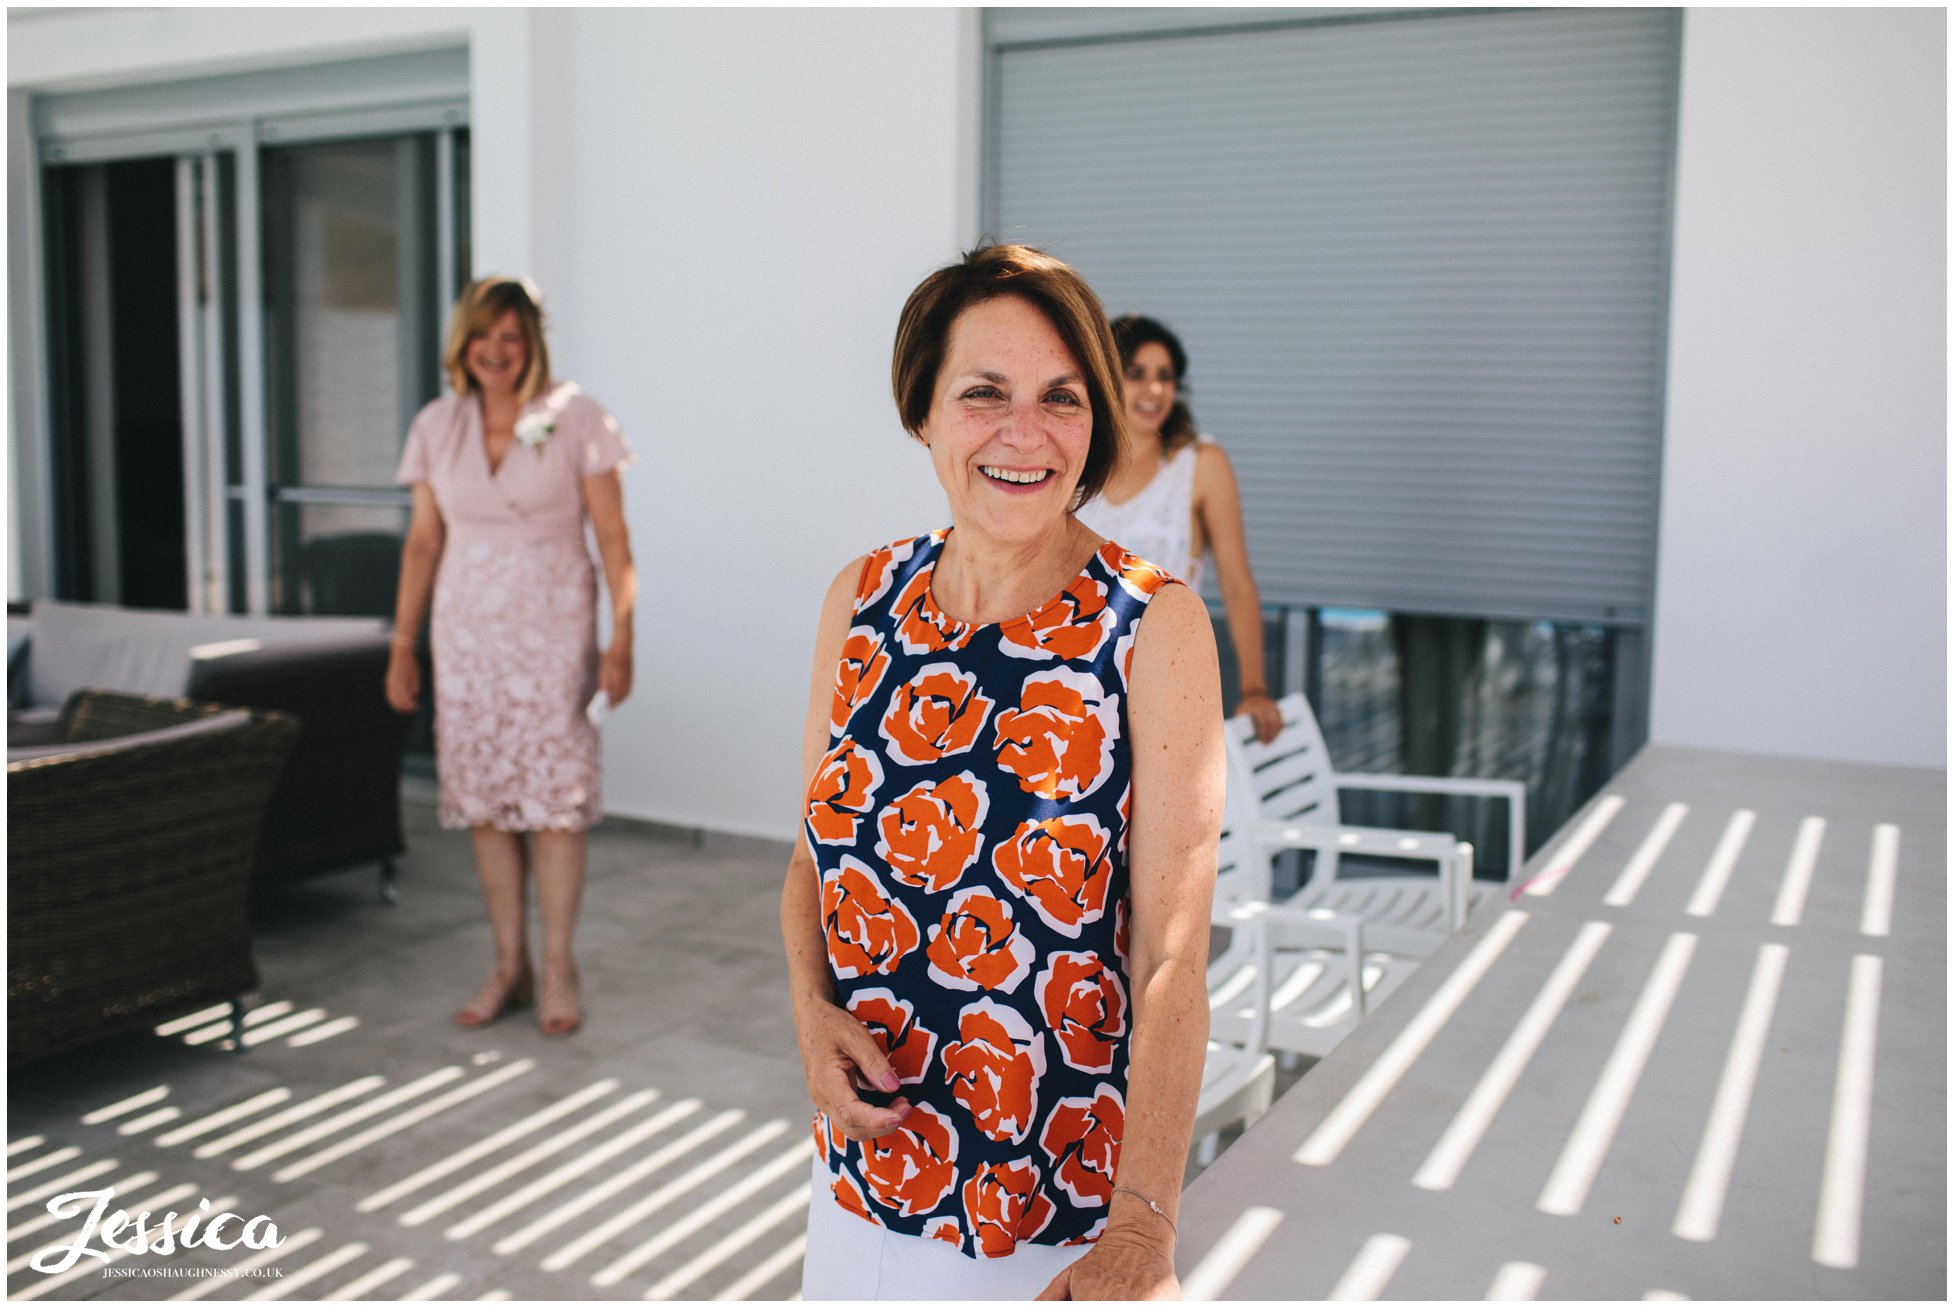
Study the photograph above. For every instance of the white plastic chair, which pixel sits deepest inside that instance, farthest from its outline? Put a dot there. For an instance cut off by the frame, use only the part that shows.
(1284, 795)
(1303, 977)
(1238, 1082)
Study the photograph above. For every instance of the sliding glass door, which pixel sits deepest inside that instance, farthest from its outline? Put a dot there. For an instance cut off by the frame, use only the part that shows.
(115, 285)
(242, 325)
(357, 281)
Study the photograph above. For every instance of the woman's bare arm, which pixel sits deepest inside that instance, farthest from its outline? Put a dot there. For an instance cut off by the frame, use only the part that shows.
(420, 556)
(1218, 504)
(603, 495)
(1174, 713)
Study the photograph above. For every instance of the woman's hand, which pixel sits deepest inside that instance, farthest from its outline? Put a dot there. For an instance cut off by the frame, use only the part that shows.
(603, 495)
(420, 557)
(841, 1059)
(1122, 1265)
(1262, 711)
(614, 673)
(403, 679)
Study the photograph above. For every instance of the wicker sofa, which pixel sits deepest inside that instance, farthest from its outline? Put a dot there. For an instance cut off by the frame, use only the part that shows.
(338, 803)
(130, 843)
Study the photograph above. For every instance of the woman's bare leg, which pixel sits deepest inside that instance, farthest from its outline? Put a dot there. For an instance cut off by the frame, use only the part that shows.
(499, 862)
(560, 860)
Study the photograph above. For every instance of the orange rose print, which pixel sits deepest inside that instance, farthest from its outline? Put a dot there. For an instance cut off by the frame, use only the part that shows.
(1003, 1206)
(1085, 1008)
(1123, 658)
(892, 1022)
(1073, 626)
(920, 626)
(932, 834)
(946, 1230)
(827, 1137)
(867, 930)
(1060, 865)
(879, 570)
(843, 789)
(863, 661)
(912, 1168)
(850, 1197)
(994, 1067)
(977, 945)
(1125, 816)
(1140, 578)
(1058, 742)
(937, 713)
(1082, 1138)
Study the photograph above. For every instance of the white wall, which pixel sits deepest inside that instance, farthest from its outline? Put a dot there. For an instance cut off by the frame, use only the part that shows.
(746, 197)
(1801, 585)
(725, 209)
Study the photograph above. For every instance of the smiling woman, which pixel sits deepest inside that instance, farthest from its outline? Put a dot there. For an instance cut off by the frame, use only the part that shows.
(1174, 498)
(506, 470)
(996, 921)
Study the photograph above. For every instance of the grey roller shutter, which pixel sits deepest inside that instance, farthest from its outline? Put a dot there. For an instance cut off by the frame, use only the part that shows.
(1421, 268)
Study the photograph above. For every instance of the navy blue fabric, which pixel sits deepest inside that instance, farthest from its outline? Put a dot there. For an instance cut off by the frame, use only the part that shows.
(969, 825)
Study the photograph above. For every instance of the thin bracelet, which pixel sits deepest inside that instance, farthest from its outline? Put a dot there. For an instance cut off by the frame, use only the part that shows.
(1158, 1210)
(1263, 691)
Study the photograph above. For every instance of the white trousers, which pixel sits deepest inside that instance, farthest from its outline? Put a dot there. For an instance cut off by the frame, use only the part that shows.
(848, 1258)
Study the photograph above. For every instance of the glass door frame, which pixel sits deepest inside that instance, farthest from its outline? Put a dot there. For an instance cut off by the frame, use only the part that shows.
(221, 288)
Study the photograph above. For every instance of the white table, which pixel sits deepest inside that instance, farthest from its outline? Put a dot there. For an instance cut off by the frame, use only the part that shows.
(1702, 1053)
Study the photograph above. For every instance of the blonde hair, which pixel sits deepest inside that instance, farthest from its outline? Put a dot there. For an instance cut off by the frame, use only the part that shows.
(477, 310)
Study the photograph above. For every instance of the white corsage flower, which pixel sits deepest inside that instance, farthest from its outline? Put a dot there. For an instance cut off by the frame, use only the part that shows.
(533, 429)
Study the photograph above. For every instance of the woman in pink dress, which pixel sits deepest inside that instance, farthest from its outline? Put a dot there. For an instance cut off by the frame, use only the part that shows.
(505, 470)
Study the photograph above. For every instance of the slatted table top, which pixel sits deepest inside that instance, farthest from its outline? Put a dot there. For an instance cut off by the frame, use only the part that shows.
(1699, 1052)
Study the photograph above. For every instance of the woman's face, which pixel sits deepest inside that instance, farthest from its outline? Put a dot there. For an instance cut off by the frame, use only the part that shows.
(1010, 423)
(497, 358)
(1151, 388)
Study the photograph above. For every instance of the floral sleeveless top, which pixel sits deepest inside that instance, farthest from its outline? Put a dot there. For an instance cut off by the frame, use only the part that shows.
(969, 824)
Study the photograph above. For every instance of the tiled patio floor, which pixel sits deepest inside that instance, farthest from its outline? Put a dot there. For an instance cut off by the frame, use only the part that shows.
(661, 1151)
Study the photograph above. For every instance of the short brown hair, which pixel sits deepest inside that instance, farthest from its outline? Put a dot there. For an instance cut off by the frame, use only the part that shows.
(1055, 290)
(476, 311)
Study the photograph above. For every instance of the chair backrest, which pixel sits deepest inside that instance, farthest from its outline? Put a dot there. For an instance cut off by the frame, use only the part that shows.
(352, 573)
(212, 724)
(1286, 780)
(1239, 879)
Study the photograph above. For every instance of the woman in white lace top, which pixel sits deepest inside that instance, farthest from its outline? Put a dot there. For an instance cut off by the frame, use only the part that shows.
(1173, 500)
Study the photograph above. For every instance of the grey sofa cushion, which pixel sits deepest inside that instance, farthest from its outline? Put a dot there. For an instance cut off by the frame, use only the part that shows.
(80, 645)
(149, 651)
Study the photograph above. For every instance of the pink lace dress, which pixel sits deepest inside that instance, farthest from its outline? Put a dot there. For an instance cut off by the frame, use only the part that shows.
(515, 611)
